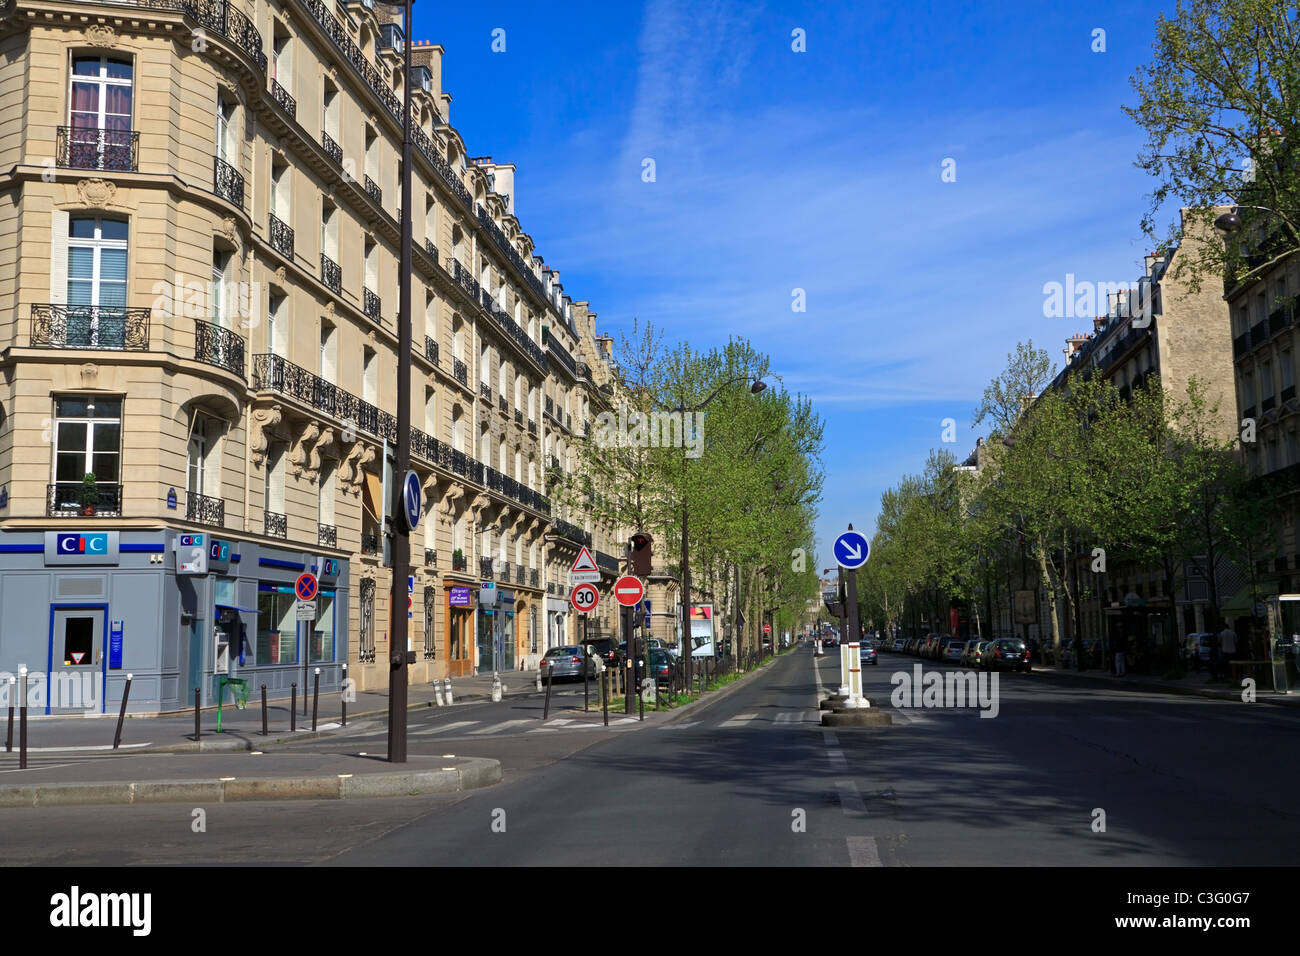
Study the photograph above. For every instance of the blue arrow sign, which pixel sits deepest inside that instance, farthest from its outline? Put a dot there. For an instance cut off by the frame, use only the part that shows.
(851, 550)
(412, 500)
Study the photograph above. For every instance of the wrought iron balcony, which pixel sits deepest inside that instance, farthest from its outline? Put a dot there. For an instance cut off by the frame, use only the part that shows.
(1288, 393)
(458, 561)
(371, 543)
(460, 372)
(571, 531)
(560, 352)
(431, 250)
(115, 150)
(1278, 320)
(331, 274)
(371, 304)
(70, 500)
(205, 509)
(503, 405)
(275, 525)
(1268, 404)
(431, 349)
(284, 100)
(348, 47)
(534, 578)
(505, 572)
(485, 392)
(90, 327)
(220, 347)
(1241, 345)
(281, 237)
(532, 427)
(227, 182)
(485, 568)
(549, 406)
(606, 562)
(431, 557)
(519, 418)
(327, 536)
(373, 190)
(334, 149)
(1259, 333)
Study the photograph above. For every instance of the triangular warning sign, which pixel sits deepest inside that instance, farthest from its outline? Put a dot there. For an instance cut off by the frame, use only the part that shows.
(77, 656)
(584, 562)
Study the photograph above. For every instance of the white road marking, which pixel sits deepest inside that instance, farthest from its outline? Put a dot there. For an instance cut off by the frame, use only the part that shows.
(740, 720)
(681, 726)
(863, 851)
(439, 730)
(850, 799)
(89, 749)
(830, 738)
(837, 760)
(497, 728)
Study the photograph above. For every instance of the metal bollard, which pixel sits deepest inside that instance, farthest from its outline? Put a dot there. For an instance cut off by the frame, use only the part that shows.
(293, 706)
(264, 730)
(197, 729)
(604, 696)
(22, 721)
(315, 698)
(121, 714)
(546, 708)
(640, 701)
(344, 702)
(9, 737)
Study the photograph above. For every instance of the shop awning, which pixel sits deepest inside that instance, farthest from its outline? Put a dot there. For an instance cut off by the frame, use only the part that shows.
(373, 496)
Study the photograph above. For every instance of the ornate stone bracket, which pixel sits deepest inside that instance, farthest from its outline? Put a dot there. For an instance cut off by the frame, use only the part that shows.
(353, 466)
(298, 454)
(265, 418)
(326, 440)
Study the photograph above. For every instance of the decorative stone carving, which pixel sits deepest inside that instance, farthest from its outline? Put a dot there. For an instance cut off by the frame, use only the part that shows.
(101, 34)
(89, 372)
(265, 418)
(353, 466)
(280, 275)
(96, 192)
(230, 231)
(453, 494)
(312, 468)
(298, 454)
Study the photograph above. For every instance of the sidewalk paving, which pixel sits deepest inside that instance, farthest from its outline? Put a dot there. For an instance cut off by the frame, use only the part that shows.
(242, 728)
(1198, 685)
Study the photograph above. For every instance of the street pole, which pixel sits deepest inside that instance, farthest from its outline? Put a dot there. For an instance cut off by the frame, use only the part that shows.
(844, 610)
(398, 676)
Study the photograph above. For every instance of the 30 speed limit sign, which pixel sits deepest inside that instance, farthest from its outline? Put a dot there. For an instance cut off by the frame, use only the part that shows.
(584, 597)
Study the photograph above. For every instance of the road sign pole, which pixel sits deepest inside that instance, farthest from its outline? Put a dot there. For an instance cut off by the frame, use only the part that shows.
(586, 667)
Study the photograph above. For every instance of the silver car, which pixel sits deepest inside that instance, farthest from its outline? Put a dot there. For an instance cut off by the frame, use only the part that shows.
(561, 662)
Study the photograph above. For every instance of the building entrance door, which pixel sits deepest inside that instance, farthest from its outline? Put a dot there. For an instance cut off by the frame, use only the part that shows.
(76, 678)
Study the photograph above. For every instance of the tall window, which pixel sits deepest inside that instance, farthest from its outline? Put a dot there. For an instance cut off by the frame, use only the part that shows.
(225, 126)
(325, 498)
(97, 255)
(220, 268)
(281, 192)
(273, 492)
(99, 112)
(87, 440)
(369, 376)
(277, 325)
(202, 436)
(328, 350)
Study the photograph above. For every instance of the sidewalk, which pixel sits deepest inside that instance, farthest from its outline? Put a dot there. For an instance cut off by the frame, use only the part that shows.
(242, 729)
(1197, 685)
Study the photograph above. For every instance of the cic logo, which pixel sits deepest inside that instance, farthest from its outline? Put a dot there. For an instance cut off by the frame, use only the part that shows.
(93, 543)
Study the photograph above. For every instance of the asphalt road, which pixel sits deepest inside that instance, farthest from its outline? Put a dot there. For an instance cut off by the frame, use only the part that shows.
(753, 779)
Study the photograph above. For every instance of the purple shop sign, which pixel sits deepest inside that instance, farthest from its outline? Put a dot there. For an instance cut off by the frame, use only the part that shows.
(458, 597)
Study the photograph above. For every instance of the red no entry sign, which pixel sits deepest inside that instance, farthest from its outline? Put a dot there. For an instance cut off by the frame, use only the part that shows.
(628, 590)
(584, 597)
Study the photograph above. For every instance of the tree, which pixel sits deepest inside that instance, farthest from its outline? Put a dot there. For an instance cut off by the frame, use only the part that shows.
(1219, 104)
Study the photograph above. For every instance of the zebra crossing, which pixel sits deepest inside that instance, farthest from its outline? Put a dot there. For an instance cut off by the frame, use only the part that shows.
(46, 757)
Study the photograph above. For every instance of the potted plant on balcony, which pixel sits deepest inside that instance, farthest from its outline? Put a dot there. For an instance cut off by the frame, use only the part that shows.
(458, 559)
(89, 495)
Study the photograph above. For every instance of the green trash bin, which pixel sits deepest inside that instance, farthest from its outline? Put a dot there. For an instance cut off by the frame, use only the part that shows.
(239, 694)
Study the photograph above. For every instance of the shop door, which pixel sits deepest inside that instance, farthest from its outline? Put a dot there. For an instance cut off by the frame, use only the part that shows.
(460, 663)
(508, 641)
(75, 682)
(487, 623)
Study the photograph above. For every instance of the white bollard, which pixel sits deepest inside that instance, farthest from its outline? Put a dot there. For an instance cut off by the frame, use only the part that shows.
(446, 689)
(855, 698)
(437, 692)
(844, 670)
(496, 688)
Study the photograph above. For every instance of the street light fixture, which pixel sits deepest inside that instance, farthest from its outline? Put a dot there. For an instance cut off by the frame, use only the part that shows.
(399, 657)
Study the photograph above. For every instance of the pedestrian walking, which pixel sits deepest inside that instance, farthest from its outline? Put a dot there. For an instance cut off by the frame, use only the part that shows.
(1119, 656)
(1227, 645)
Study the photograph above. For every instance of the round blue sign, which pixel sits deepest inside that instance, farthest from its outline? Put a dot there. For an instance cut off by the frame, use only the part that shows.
(851, 549)
(412, 500)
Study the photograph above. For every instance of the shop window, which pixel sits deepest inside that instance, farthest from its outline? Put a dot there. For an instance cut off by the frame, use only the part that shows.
(321, 644)
(277, 628)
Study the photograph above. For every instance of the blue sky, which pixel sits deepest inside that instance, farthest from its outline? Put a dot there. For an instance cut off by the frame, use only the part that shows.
(820, 170)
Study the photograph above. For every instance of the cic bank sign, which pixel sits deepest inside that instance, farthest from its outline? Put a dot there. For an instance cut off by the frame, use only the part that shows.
(81, 547)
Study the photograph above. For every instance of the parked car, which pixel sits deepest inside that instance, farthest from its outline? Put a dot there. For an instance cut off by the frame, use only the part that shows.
(663, 665)
(606, 650)
(1197, 650)
(974, 652)
(561, 662)
(1008, 653)
(953, 648)
(867, 653)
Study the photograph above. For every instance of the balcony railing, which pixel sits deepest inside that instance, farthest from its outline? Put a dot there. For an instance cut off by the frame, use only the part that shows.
(331, 274)
(69, 500)
(348, 47)
(373, 190)
(442, 168)
(327, 536)
(1241, 345)
(431, 349)
(502, 404)
(370, 543)
(227, 182)
(115, 150)
(534, 578)
(519, 418)
(485, 568)
(371, 304)
(281, 237)
(532, 427)
(431, 557)
(1288, 393)
(1259, 333)
(220, 347)
(571, 531)
(606, 562)
(431, 250)
(508, 250)
(466, 281)
(460, 371)
(485, 392)
(284, 100)
(205, 509)
(1278, 320)
(334, 149)
(560, 352)
(504, 573)
(275, 525)
(549, 406)
(1268, 404)
(90, 327)
(458, 561)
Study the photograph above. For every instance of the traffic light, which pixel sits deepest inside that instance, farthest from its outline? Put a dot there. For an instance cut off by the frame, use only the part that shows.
(638, 547)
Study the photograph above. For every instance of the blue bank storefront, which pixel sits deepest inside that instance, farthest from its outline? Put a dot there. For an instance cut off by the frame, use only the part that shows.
(81, 608)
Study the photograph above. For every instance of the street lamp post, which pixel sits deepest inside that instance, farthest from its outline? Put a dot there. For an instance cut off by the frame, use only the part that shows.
(399, 658)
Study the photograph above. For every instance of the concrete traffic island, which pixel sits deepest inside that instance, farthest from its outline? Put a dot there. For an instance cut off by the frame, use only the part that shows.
(229, 778)
(838, 712)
